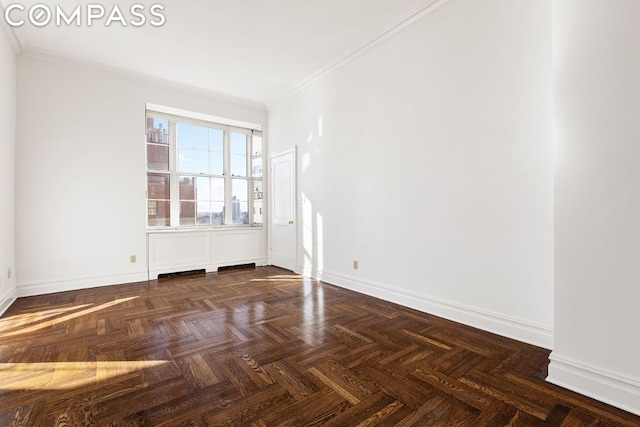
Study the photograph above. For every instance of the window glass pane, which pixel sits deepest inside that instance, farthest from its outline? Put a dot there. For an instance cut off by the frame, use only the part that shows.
(239, 201)
(216, 163)
(238, 165)
(187, 213)
(216, 140)
(157, 157)
(187, 188)
(257, 189)
(201, 138)
(185, 160)
(185, 136)
(203, 189)
(238, 154)
(217, 213)
(217, 189)
(158, 213)
(257, 202)
(240, 191)
(204, 213)
(157, 131)
(201, 161)
(208, 156)
(157, 186)
(256, 157)
(217, 196)
(238, 143)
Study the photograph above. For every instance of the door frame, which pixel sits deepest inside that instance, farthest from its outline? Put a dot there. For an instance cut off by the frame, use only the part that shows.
(294, 182)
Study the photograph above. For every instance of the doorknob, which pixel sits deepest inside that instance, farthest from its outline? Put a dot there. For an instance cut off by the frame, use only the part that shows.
(290, 222)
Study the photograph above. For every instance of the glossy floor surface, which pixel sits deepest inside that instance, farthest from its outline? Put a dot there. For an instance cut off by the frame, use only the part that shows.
(266, 347)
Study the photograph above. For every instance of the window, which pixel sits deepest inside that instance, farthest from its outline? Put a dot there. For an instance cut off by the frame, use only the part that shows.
(202, 174)
(158, 174)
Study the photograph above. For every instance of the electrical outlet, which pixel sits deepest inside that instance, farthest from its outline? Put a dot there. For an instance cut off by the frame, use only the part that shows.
(132, 259)
(355, 264)
(9, 274)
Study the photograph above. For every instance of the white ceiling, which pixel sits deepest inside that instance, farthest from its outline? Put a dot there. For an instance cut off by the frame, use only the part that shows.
(252, 49)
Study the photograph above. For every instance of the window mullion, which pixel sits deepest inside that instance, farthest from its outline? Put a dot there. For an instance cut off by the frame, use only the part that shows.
(250, 178)
(173, 167)
(228, 213)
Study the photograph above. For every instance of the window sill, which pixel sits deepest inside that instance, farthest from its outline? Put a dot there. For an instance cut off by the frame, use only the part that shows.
(196, 229)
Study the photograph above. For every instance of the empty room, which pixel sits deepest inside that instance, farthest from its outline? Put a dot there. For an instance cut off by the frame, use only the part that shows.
(297, 213)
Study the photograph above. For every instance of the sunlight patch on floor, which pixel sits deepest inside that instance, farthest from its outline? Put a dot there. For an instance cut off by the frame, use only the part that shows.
(25, 327)
(34, 316)
(66, 375)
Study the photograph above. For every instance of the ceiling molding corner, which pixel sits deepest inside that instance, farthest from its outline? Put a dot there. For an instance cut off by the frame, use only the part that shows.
(422, 9)
(51, 56)
(14, 40)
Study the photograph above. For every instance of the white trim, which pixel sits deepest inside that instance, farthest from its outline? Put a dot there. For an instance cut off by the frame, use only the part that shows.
(8, 300)
(141, 77)
(422, 9)
(605, 386)
(76, 283)
(201, 118)
(195, 228)
(14, 40)
(500, 324)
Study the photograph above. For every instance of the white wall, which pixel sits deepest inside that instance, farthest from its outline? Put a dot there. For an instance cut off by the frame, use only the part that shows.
(433, 153)
(80, 174)
(7, 168)
(597, 199)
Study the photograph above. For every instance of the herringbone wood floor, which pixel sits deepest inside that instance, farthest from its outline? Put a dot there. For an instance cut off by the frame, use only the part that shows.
(265, 347)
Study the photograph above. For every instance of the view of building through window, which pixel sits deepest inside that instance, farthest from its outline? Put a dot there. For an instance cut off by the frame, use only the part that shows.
(202, 174)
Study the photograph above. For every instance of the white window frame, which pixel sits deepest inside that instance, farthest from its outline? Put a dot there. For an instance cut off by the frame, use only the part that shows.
(174, 173)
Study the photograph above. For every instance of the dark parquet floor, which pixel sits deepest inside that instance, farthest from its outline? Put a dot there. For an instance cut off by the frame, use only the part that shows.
(265, 347)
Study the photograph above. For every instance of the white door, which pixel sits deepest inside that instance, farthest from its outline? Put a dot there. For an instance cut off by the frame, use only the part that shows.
(283, 210)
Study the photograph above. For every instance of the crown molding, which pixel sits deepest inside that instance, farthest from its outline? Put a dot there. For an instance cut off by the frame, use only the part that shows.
(422, 9)
(14, 40)
(425, 7)
(141, 77)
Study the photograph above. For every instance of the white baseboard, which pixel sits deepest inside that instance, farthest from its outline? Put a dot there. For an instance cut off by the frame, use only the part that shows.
(44, 287)
(608, 387)
(497, 323)
(75, 283)
(7, 300)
